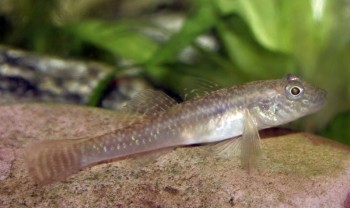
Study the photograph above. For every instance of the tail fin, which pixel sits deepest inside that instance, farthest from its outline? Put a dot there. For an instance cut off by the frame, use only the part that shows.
(51, 161)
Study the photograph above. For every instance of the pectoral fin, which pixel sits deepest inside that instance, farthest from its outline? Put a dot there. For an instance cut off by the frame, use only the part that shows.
(246, 146)
(250, 143)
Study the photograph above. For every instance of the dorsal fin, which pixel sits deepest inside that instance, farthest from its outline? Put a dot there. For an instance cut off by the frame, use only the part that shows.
(149, 103)
(197, 87)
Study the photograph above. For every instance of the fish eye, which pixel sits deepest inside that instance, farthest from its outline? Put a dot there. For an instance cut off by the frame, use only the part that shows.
(294, 90)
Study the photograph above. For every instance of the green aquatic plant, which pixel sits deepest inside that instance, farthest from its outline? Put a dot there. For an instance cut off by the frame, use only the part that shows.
(253, 40)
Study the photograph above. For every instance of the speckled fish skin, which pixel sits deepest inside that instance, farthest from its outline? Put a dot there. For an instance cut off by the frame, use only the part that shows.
(215, 117)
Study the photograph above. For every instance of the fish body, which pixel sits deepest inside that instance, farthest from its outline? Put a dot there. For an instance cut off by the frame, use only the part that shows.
(237, 112)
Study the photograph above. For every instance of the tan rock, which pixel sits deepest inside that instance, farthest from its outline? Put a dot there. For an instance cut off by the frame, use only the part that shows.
(297, 170)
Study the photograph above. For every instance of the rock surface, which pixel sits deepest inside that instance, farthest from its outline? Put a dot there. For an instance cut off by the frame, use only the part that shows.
(297, 170)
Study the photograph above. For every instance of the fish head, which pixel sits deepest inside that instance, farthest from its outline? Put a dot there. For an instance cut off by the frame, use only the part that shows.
(285, 100)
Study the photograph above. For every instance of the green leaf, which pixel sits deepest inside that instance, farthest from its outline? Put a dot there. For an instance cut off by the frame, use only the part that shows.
(203, 19)
(248, 54)
(119, 38)
(300, 26)
(263, 17)
(102, 85)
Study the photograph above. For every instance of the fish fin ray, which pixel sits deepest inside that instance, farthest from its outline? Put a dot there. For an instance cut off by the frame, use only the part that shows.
(53, 160)
(197, 87)
(250, 143)
(146, 158)
(149, 103)
(228, 148)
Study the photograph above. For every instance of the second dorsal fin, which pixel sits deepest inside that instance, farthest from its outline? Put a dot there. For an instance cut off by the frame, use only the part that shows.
(149, 103)
(197, 87)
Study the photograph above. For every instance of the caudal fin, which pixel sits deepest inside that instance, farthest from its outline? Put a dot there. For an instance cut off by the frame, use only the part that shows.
(54, 160)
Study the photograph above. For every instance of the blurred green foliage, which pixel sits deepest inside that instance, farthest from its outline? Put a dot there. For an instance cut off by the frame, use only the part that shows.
(339, 128)
(257, 39)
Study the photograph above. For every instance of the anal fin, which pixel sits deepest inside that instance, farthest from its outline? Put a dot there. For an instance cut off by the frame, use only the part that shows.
(146, 158)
